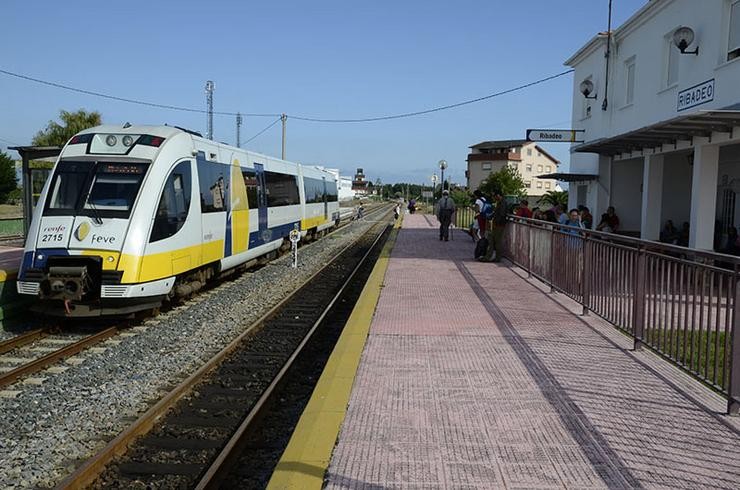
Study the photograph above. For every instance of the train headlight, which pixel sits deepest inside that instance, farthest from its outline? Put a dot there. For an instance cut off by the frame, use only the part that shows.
(111, 140)
(110, 258)
(40, 257)
(128, 140)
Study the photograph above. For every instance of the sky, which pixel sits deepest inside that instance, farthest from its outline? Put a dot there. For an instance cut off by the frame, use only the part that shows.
(329, 59)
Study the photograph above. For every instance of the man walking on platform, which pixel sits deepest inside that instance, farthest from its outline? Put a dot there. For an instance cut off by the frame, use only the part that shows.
(444, 211)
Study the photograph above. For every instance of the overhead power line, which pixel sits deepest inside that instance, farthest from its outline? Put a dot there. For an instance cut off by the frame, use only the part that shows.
(123, 99)
(268, 127)
(435, 109)
(299, 118)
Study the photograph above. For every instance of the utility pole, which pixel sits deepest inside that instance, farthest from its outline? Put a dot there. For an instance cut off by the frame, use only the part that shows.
(238, 129)
(284, 119)
(209, 103)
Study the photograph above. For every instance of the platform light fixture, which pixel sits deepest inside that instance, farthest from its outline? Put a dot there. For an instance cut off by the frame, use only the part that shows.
(587, 88)
(442, 167)
(682, 38)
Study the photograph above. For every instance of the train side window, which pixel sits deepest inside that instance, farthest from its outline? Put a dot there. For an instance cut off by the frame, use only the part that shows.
(282, 189)
(250, 181)
(332, 195)
(314, 190)
(174, 204)
(212, 187)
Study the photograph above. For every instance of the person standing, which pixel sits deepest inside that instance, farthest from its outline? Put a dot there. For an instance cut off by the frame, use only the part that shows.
(498, 223)
(480, 205)
(523, 211)
(444, 212)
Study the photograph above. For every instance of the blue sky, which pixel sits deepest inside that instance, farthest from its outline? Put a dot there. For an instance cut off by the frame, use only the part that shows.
(324, 59)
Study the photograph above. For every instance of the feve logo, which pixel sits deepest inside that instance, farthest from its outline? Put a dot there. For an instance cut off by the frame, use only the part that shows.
(82, 231)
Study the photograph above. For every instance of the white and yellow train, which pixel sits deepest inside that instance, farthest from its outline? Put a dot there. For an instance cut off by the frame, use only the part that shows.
(134, 215)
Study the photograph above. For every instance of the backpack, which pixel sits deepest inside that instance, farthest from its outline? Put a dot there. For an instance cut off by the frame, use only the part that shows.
(481, 248)
(487, 210)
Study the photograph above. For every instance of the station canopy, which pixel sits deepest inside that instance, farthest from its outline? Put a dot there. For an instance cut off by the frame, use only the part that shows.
(670, 132)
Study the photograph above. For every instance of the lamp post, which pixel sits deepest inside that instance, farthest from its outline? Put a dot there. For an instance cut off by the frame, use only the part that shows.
(442, 167)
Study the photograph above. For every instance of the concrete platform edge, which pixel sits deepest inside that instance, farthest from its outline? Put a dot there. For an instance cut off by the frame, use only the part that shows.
(306, 458)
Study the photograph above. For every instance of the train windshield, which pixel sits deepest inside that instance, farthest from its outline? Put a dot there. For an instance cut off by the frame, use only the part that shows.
(103, 189)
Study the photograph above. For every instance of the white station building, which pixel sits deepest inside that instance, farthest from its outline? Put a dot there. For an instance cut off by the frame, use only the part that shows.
(661, 120)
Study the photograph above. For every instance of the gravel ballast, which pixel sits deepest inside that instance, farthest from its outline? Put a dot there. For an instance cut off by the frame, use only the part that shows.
(46, 431)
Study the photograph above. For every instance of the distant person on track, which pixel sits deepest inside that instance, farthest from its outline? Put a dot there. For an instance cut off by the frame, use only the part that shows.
(445, 210)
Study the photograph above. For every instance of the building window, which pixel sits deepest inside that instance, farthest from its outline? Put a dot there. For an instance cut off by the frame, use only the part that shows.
(529, 152)
(529, 166)
(547, 185)
(515, 150)
(671, 69)
(539, 154)
(629, 91)
(487, 166)
(528, 184)
(539, 168)
(548, 168)
(539, 185)
(733, 49)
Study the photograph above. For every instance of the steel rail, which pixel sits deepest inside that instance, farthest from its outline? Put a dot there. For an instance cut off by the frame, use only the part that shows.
(225, 459)
(21, 340)
(86, 474)
(69, 350)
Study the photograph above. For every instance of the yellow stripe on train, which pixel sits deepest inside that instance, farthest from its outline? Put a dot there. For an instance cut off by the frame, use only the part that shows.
(167, 264)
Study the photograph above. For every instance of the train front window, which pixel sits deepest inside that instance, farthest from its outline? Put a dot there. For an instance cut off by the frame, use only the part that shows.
(68, 185)
(107, 190)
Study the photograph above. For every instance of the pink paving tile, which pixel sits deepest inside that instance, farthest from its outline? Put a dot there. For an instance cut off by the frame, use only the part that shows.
(472, 377)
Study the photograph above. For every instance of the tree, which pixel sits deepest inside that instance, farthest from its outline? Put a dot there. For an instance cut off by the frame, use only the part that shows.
(73, 122)
(461, 197)
(554, 198)
(7, 176)
(507, 181)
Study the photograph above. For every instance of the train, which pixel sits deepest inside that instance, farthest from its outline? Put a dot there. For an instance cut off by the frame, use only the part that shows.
(134, 216)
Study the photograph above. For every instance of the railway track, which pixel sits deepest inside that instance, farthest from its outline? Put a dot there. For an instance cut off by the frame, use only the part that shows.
(175, 443)
(26, 361)
(10, 374)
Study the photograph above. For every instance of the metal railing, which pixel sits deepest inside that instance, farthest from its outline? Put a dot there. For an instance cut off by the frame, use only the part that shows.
(680, 302)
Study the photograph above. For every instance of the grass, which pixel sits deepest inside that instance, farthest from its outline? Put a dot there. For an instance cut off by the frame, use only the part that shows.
(672, 344)
(11, 211)
(11, 227)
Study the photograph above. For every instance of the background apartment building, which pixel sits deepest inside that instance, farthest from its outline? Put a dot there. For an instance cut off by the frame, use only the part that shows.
(531, 161)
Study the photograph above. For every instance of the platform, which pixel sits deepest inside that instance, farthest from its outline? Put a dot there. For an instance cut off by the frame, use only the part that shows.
(10, 262)
(473, 376)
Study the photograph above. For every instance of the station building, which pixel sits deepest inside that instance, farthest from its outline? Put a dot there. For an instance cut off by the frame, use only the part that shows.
(661, 115)
(528, 158)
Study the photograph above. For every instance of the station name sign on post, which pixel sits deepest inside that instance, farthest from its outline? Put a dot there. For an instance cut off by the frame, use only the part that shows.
(556, 135)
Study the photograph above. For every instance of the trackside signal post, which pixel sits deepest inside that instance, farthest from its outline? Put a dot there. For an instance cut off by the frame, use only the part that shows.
(295, 237)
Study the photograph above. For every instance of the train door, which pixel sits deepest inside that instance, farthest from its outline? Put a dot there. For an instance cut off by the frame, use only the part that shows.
(261, 201)
(326, 200)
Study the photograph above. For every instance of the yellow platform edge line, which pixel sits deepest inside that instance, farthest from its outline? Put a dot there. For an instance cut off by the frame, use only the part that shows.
(306, 458)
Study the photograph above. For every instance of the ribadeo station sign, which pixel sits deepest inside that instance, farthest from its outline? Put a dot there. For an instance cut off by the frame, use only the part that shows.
(555, 135)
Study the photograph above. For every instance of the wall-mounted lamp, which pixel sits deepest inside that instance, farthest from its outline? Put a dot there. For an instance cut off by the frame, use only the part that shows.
(587, 88)
(682, 38)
